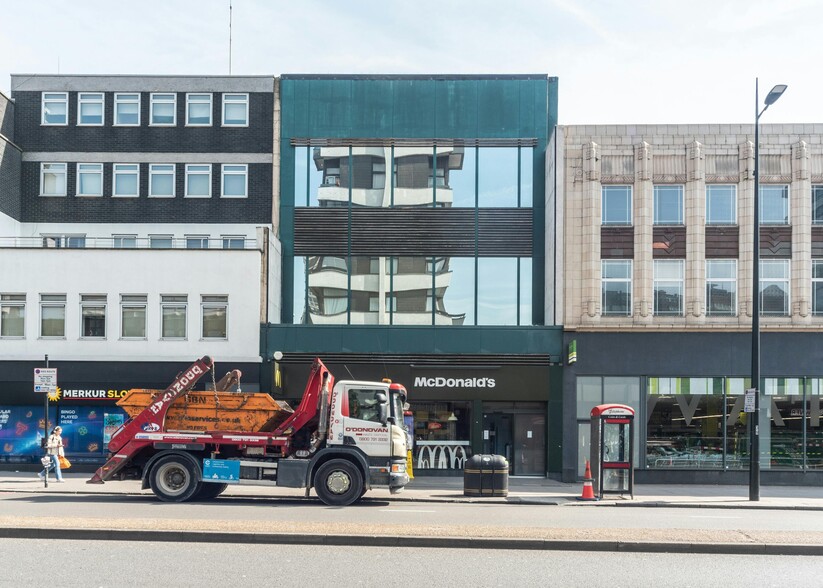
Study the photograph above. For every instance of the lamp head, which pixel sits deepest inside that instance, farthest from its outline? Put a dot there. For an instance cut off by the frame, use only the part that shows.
(774, 94)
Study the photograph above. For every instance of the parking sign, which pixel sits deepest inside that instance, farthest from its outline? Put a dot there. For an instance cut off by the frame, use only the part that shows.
(45, 380)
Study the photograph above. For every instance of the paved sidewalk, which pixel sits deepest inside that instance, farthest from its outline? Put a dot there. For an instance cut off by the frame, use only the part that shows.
(443, 490)
(450, 489)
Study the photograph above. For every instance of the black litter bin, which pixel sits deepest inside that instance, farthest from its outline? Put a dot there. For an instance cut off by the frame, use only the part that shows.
(486, 475)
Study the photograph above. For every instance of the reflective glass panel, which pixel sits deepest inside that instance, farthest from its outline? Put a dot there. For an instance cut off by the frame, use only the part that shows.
(411, 289)
(817, 205)
(774, 205)
(668, 287)
(497, 291)
(774, 287)
(301, 176)
(616, 202)
(329, 177)
(497, 183)
(721, 287)
(668, 205)
(456, 288)
(721, 204)
(525, 291)
(814, 432)
(462, 179)
(526, 176)
(783, 440)
(299, 291)
(450, 160)
(589, 395)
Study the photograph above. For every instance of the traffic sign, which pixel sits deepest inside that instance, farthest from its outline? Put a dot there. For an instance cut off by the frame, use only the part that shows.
(45, 380)
(748, 402)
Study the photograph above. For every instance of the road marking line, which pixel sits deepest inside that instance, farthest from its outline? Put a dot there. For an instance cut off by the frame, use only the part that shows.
(712, 517)
(404, 510)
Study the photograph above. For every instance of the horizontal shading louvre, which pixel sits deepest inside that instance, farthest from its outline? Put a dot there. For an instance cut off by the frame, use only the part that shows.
(444, 359)
(501, 232)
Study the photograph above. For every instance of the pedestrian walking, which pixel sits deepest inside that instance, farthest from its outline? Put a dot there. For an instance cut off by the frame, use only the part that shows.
(54, 450)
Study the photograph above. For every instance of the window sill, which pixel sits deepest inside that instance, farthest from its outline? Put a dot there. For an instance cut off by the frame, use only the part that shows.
(125, 195)
(52, 195)
(167, 196)
(196, 197)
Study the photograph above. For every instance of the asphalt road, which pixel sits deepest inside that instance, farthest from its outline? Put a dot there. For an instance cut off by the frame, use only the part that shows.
(115, 564)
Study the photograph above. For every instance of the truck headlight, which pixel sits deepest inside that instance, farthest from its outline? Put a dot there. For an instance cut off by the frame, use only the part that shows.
(398, 468)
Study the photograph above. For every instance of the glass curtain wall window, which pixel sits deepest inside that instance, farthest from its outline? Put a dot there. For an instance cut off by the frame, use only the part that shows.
(721, 204)
(53, 316)
(198, 181)
(774, 204)
(668, 287)
(89, 179)
(163, 110)
(55, 108)
(90, 108)
(93, 316)
(198, 110)
(616, 287)
(173, 316)
(215, 316)
(12, 315)
(127, 110)
(235, 181)
(133, 316)
(235, 110)
(161, 180)
(52, 179)
(668, 205)
(774, 287)
(616, 205)
(721, 287)
(126, 180)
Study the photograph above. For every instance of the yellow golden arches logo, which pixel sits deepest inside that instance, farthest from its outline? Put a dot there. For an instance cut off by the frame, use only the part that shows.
(55, 395)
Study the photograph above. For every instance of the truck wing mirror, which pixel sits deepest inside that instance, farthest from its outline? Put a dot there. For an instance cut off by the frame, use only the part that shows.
(381, 398)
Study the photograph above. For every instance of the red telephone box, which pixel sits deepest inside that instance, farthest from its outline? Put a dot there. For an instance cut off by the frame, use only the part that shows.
(612, 463)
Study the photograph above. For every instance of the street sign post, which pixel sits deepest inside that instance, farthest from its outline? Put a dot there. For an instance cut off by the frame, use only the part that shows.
(45, 380)
(749, 401)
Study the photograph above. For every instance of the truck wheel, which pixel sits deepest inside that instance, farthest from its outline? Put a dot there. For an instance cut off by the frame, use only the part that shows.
(209, 490)
(173, 479)
(338, 482)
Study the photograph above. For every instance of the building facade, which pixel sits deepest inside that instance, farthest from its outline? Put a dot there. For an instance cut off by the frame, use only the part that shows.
(413, 233)
(657, 291)
(136, 227)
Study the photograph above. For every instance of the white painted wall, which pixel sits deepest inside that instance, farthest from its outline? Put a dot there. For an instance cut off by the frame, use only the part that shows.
(235, 273)
(8, 226)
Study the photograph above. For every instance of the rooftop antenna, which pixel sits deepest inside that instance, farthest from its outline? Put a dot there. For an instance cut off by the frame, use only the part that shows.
(229, 37)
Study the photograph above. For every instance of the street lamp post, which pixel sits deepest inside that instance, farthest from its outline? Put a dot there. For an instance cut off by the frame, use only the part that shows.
(754, 428)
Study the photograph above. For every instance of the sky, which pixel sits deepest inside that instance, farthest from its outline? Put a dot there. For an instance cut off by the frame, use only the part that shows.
(617, 61)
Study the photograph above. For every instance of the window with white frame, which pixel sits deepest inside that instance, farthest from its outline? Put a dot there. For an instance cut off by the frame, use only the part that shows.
(127, 110)
(198, 181)
(774, 204)
(53, 316)
(233, 241)
(235, 110)
(616, 287)
(126, 180)
(721, 287)
(163, 110)
(89, 179)
(668, 287)
(55, 108)
(161, 180)
(817, 205)
(616, 205)
(90, 108)
(215, 315)
(774, 287)
(817, 287)
(92, 316)
(12, 316)
(133, 316)
(668, 205)
(52, 179)
(173, 316)
(160, 241)
(64, 241)
(124, 241)
(235, 181)
(721, 204)
(197, 241)
(198, 110)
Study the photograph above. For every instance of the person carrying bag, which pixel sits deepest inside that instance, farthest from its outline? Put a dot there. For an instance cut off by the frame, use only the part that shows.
(54, 451)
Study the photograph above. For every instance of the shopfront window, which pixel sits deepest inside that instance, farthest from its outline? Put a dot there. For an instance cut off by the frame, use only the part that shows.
(685, 423)
(442, 435)
(783, 400)
(814, 432)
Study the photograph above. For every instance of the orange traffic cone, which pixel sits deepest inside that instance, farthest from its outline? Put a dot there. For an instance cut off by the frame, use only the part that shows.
(588, 488)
